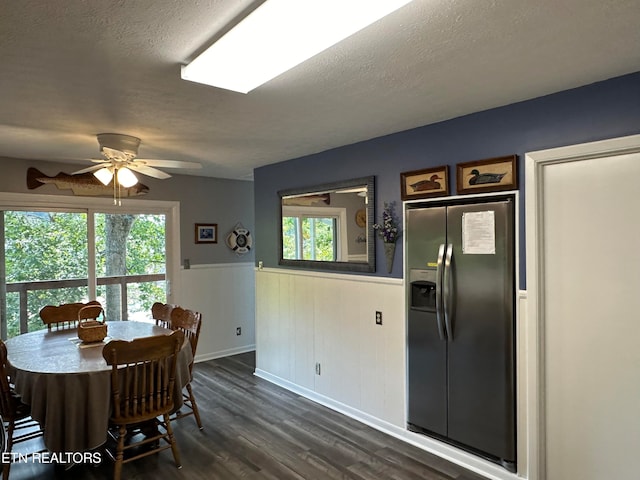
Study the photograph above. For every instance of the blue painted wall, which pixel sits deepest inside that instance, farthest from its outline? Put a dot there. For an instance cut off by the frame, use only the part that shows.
(594, 112)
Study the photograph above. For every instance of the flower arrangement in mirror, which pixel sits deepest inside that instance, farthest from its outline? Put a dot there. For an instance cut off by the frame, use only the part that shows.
(389, 231)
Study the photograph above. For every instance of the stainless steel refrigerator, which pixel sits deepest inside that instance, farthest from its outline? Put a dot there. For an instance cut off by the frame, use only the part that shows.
(461, 342)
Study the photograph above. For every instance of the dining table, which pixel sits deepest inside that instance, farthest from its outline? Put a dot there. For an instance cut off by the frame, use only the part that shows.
(67, 383)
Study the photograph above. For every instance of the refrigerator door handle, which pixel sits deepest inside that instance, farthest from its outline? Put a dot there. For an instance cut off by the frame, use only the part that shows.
(439, 309)
(447, 292)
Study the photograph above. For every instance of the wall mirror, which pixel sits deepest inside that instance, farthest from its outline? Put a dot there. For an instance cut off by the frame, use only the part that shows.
(329, 226)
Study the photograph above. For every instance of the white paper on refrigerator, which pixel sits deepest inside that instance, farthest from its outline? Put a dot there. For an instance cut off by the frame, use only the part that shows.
(479, 233)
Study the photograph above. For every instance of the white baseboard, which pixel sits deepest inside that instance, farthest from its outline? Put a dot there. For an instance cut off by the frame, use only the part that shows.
(225, 353)
(201, 266)
(452, 454)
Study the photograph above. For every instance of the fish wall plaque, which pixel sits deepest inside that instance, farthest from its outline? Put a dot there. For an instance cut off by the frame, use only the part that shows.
(85, 184)
(307, 200)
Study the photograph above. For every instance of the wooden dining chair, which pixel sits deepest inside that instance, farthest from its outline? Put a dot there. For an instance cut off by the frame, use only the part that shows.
(15, 414)
(63, 316)
(189, 322)
(142, 388)
(161, 313)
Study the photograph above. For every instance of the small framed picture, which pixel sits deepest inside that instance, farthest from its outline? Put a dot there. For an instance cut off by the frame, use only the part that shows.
(490, 175)
(429, 182)
(206, 233)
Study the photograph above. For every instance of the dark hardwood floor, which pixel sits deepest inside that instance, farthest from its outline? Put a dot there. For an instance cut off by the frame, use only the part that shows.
(256, 430)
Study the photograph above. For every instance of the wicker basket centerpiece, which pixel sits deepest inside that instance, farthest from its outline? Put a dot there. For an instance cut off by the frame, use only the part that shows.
(90, 329)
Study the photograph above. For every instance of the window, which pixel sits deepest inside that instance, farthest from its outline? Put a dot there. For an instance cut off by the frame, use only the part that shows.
(124, 258)
(130, 263)
(41, 246)
(313, 234)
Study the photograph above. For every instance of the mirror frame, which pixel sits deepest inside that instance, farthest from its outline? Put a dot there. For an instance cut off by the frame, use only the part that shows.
(370, 265)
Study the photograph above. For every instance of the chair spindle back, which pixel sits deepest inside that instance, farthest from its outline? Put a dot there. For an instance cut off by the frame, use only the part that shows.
(65, 315)
(161, 313)
(142, 376)
(189, 322)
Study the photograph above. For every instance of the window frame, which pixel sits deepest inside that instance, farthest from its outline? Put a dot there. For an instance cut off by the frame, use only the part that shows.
(341, 247)
(91, 206)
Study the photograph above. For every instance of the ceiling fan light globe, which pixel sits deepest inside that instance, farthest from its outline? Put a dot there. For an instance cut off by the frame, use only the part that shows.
(104, 175)
(126, 177)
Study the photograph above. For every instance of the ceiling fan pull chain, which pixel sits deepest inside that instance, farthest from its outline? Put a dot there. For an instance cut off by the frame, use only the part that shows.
(119, 190)
(115, 196)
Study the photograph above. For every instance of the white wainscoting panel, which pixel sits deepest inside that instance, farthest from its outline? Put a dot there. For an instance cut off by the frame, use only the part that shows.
(307, 318)
(225, 295)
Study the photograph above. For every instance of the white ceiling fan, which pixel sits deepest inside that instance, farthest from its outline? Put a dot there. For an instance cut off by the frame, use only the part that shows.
(120, 152)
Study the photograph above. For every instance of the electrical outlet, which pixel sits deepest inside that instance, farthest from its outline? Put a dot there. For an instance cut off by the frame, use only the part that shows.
(378, 318)
(317, 368)
(238, 330)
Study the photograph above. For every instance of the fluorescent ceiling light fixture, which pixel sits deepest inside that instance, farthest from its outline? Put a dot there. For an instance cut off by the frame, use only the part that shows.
(279, 35)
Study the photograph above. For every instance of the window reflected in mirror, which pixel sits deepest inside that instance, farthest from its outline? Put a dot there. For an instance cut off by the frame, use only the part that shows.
(308, 237)
(329, 226)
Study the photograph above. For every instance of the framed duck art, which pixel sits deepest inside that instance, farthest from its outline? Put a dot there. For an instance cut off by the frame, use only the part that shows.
(490, 175)
(429, 182)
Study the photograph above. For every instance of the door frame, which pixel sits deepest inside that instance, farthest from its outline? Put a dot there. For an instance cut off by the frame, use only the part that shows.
(535, 164)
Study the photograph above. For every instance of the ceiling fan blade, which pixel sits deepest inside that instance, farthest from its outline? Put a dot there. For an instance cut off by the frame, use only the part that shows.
(92, 168)
(145, 170)
(168, 163)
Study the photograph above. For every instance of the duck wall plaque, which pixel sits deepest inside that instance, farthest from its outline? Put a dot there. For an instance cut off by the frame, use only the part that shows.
(490, 175)
(429, 182)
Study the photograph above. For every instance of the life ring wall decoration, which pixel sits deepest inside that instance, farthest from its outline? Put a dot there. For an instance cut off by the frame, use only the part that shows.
(239, 240)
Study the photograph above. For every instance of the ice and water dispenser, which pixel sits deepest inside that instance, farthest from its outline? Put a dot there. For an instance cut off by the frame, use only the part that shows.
(423, 289)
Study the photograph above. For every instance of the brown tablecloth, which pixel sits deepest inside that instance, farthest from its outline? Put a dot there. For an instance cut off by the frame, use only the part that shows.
(68, 385)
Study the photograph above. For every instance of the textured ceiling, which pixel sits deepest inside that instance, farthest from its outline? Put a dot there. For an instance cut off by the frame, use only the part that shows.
(72, 69)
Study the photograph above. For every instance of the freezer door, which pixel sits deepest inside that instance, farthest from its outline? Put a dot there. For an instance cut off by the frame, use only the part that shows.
(426, 230)
(481, 351)
(426, 350)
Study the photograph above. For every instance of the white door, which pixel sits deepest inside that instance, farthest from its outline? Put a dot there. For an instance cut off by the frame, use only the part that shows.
(590, 317)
